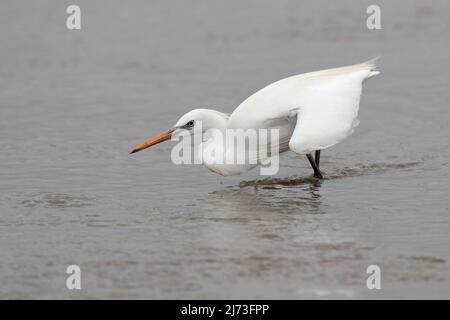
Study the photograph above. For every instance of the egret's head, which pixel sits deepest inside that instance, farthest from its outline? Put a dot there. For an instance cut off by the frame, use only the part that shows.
(194, 122)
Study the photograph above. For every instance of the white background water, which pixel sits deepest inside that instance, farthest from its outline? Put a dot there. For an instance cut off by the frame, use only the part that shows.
(74, 103)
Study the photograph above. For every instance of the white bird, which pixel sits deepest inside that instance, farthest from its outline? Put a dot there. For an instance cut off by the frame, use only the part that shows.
(312, 111)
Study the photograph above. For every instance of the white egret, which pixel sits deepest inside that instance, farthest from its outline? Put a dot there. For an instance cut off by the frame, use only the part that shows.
(312, 111)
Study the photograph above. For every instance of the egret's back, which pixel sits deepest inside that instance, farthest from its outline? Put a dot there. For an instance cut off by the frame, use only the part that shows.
(325, 103)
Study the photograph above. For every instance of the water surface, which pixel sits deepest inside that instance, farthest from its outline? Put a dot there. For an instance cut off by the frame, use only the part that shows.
(73, 104)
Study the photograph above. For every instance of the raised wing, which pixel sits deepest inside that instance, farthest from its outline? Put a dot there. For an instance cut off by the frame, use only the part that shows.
(326, 103)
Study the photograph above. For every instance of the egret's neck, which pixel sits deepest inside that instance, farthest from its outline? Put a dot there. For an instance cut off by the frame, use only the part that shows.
(216, 125)
(213, 150)
(213, 133)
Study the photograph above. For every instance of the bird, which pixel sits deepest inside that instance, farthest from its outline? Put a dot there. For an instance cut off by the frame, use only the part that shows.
(312, 111)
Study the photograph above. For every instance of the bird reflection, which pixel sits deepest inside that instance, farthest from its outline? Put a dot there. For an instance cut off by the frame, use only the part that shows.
(272, 195)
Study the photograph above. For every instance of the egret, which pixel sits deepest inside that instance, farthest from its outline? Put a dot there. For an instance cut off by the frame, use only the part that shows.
(312, 111)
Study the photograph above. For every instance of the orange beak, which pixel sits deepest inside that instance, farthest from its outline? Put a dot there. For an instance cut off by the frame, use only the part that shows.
(155, 140)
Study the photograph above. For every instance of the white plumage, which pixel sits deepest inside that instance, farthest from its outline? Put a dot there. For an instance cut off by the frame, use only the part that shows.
(325, 104)
(313, 111)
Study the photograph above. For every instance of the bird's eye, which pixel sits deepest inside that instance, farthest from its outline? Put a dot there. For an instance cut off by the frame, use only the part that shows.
(190, 123)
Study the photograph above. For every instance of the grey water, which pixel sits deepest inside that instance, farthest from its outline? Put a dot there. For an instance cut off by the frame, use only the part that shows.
(74, 103)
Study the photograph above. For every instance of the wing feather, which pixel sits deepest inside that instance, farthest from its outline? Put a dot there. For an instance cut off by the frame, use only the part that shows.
(326, 103)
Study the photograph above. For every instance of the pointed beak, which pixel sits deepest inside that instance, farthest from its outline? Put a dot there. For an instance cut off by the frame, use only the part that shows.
(155, 140)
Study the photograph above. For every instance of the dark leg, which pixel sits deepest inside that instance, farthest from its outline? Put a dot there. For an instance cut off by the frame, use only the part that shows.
(315, 167)
(317, 158)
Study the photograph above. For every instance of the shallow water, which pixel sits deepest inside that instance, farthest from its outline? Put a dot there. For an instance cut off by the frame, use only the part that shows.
(73, 104)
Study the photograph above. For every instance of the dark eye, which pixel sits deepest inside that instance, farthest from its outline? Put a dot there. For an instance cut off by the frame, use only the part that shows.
(190, 123)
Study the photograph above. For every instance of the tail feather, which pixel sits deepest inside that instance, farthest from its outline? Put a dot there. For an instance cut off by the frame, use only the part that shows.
(373, 65)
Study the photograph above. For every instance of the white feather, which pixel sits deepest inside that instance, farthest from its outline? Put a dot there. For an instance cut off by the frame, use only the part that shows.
(326, 103)
(312, 111)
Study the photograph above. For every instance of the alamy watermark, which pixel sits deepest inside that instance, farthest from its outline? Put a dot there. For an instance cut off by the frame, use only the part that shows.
(217, 148)
(373, 22)
(73, 281)
(374, 280)
(73, 21)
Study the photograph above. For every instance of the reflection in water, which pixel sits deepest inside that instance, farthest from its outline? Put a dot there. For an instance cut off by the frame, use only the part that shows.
(268, 232)
(346, 172)
(278, 198)
(289, 195)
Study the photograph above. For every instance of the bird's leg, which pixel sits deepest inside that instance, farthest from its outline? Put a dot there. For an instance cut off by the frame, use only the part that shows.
(315, 167)
(317, 157)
